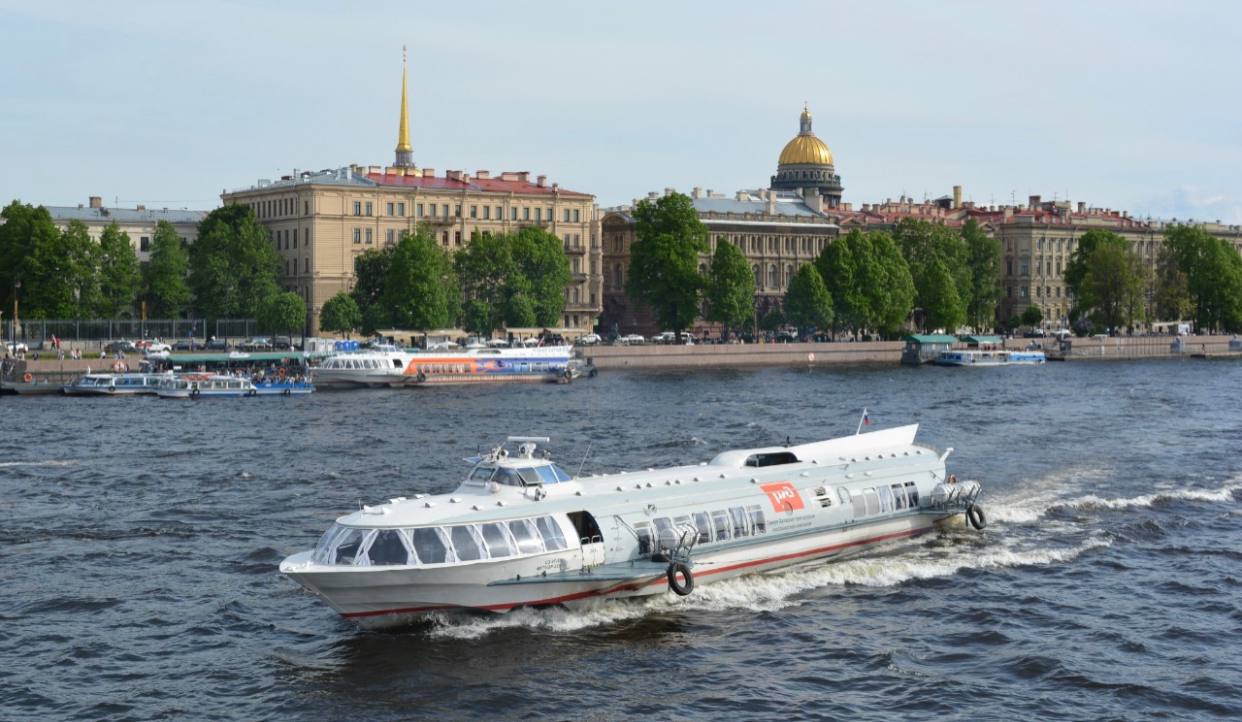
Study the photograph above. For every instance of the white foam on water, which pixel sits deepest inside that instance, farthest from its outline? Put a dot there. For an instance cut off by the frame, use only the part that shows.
(765, 592)
(1091, 501)
(50, 462)
(1038, 495)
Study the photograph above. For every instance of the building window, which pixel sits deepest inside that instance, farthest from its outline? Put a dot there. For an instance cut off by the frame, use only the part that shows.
(538, 214)
(295, 238)
(577, 215)
(526, 214)
(499, 213)
(369, 236)
(306, 265)
(567, 215)
(474, 211)
(444, 238)
(369, 212)
(618, 277)
(389, 236)
(512, 213)
(444, 210)
(773, 280)
(1022, 292)
(418, 210)
(401, 209)
(357, 235)
(457, 210)
(306, 208)
(391, 208)
(357, 208)
(433, 210)
(550, 216)
(758, 276)
(144, 243)
(457, 238)
(1024, 268)
(487, 213)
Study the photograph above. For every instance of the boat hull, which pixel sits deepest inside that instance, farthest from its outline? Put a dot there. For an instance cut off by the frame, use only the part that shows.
(378, 596)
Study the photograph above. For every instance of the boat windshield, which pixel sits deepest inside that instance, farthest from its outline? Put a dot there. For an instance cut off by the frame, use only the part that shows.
(521, 476)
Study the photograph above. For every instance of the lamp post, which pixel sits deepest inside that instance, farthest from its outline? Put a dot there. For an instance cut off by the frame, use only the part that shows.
(16, 286)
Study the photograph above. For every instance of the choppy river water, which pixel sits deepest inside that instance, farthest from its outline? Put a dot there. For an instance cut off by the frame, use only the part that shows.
(139, 541)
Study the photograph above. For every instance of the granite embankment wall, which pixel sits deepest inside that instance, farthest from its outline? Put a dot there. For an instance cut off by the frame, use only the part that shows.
(882, 352)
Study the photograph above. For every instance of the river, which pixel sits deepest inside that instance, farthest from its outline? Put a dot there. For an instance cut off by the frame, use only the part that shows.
(140, 543)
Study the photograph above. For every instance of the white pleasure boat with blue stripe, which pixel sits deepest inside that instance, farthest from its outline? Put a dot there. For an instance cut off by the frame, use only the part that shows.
(521, 531)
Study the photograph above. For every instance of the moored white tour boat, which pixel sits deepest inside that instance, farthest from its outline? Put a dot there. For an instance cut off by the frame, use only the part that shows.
(1032, 357)
(204, 386)
(123, 384)
(385, 365)
(520, 531)
(973, 358)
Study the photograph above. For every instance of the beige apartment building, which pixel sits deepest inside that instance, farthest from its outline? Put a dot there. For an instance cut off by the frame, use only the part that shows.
(140, 222)
(320, 221)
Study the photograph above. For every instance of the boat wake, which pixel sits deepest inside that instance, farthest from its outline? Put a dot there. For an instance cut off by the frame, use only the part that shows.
(770, 592)
(1034, 509)
(50, 462)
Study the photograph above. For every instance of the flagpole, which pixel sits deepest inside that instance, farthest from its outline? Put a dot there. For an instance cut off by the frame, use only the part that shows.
(860, 422)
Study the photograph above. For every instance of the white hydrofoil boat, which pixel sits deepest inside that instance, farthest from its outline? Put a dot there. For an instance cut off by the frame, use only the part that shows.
(520, 531)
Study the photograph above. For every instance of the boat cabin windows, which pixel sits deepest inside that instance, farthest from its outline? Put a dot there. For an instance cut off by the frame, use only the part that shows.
(899, 496)
(553, 539)
(886, 498)
(720, 520)
(666, 538)
(758, 523)
(430, 546)
(497, 540)
(703, 523)
(772, 458)
(464, 543)
(388, 548)
(912, 490)
(741, 526)
(351, 546)
(642, 530)
(526, 536)
(523, 476)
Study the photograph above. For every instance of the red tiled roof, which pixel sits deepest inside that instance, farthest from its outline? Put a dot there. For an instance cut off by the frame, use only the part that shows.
(486, 185)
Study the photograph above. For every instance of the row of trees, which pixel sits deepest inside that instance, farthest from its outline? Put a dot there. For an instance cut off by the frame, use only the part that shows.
(229, 272)
(860, 282)
(1197, 275)
(66, 274)
(514, 280)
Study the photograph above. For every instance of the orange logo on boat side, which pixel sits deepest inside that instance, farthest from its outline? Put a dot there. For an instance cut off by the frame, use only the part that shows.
(783, 495)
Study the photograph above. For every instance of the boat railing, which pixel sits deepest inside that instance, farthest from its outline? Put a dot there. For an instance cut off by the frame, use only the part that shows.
(960, 496)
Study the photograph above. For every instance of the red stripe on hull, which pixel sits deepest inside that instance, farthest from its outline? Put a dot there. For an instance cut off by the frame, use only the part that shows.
(633, 587)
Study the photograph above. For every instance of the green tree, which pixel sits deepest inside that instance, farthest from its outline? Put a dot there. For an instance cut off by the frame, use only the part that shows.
(76, 263)
(520, 311)
(540, 259)
(730, 288)
(807, 302)
(869, 280)
(233, 264)
(1110, 291)
(484, 270)
(664, 260)
(119, 274)
(421, 291)
(1032, 317)
(983, 255)
(22, 228)
(773, 319)
(1076, 268)
(340, 314)
(370, 274)
(282, 313)
(1213, 276)
(942, 307)
(163, 277)
(1171, 289)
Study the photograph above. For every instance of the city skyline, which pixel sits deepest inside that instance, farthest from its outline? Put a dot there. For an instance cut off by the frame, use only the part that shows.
(144, 105)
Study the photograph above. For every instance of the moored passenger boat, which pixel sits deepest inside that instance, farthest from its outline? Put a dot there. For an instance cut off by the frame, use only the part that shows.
(204, 386)
(122, 384)
(521, 531)
(987, 357)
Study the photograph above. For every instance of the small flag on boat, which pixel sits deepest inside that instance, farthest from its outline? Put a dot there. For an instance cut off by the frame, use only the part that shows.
(866, 418)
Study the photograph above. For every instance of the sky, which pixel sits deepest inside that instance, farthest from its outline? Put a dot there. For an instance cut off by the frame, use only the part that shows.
(1127, 105)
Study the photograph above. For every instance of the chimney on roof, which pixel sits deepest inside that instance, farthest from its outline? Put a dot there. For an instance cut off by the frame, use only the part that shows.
(1034, 202)
(429, 172)
(541, 180)
(669, 191)
(741, 196)
(957, 196)
(482, 174)
(770, 197)
(696, 192)
(140, 207)
(1082, 206)
(524, 176)
(96, 202)
(556, 186)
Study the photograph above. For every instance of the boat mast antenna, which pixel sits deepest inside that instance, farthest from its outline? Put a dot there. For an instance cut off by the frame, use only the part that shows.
(864, 420)
(584, 458)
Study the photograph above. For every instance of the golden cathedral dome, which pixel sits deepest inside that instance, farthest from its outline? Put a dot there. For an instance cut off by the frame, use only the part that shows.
(805, 148)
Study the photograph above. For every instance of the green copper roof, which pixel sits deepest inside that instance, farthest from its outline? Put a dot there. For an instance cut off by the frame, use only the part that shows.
(931, 338)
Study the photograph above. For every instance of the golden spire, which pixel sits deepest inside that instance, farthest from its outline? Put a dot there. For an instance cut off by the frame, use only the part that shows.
(404, 149)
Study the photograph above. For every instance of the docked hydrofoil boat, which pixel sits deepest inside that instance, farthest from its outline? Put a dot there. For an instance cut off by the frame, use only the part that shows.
(521, 531)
